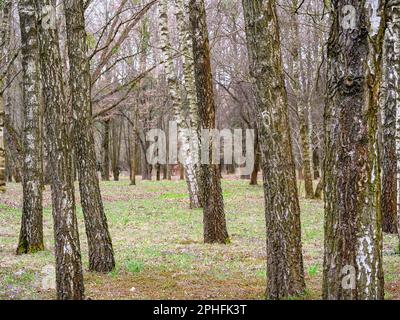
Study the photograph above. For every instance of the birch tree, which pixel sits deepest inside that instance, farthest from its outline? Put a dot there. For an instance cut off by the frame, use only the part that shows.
(285, 275)
(69, 276)
(300, 96)
(105, 172)
(392, 58)
(31, 234)
(188, 161)
(101, 255)
(388, 107)
(4, 40)
(393, 27)
(215, 230)
(353, 230)
(185, 40)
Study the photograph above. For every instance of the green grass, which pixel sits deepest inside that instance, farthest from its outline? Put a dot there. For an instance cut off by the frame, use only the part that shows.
(159, 247)
(134, 266)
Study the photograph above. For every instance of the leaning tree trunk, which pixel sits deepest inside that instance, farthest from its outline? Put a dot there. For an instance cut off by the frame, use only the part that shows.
(188, 160)
(6, 7)
(388, 106)
(215, 230)
(31, 234)
(101, 255)
(353, 231)
(69, 276)
(284, 249)
(300, 92)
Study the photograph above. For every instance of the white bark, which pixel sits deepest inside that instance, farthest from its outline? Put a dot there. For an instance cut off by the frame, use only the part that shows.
(393, 35)
(177, 106)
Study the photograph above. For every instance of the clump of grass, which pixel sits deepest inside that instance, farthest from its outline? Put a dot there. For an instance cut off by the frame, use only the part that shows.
(134, 266)
(312, 271)
(173, 196)
(114, 273)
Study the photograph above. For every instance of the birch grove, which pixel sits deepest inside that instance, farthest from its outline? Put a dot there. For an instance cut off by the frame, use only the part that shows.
(134, 134)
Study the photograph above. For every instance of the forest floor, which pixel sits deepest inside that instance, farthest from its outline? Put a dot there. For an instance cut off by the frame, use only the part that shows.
(159, 250)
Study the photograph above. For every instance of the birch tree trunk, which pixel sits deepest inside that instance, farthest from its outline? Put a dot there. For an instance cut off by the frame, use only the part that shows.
(4, 40)
(388, 107)
(101, 255)
(393, 13)
(215, 230)
(69, 277)
(105, 172)
(353, 230)
(31, 234)
(188, 161)
(116, 135)
(132, 153)
(285, 275)
(299, 92)
(185, 39)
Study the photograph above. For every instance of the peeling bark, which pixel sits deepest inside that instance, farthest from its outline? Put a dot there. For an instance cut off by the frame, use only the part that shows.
(31, 234)
(353, 231)
(69, 276)
(393, 28)
(185, 39)
(299, 91)
(285, 275)
(388, 101)
(215, 230)
(177, 106)
(101, 255)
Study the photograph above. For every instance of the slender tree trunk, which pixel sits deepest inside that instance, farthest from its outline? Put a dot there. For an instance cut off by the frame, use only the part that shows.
(316, 163)
(188, 161)
(282, 211)
(353, 231)
(165, 172)
(215, 230)
(185, 39)
(133, 149)
(105, 173)
(69, 276)
(31, 234)
(6, 7)
(299, 91)
(388, 107)
(393, 13)
(101, 256)
(133, 162)
(254, 173)
(318, 189)
(2, 151)
(145, 166)
(158, 172)
(116, 134)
